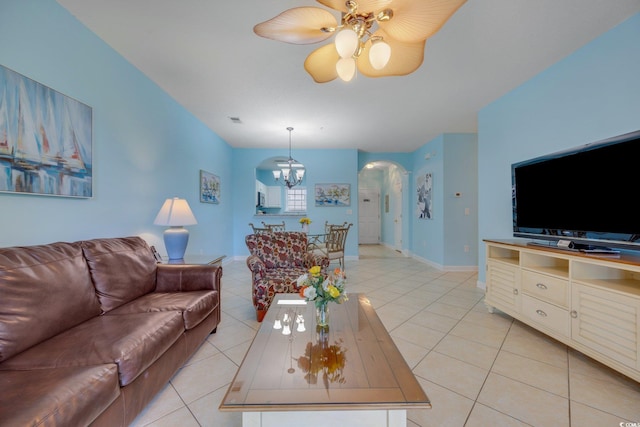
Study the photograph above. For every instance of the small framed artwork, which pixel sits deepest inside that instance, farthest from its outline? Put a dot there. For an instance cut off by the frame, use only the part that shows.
(209, 187)
(333, 195)
(424, 185)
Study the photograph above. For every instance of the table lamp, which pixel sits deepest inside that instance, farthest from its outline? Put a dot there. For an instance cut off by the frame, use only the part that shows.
(175, 213)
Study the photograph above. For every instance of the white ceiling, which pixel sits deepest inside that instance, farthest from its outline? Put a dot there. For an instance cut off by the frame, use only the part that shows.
(206, 56)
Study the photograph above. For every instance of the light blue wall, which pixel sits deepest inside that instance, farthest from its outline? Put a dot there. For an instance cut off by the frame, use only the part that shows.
(590, 95)
(146, 147)
(452, 161)
(461, 172)
(322, 167)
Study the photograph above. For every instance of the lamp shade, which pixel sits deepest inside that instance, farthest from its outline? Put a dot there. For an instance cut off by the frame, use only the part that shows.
(175, 212)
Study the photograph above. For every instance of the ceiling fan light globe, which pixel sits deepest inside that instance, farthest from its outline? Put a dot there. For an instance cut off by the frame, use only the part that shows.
(346, 43)
(346, 68)
(379, 54)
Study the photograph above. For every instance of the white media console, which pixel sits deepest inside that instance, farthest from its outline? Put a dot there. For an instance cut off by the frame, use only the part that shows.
(589, 302)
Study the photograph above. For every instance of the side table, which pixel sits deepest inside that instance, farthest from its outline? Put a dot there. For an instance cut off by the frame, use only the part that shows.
(198, 259)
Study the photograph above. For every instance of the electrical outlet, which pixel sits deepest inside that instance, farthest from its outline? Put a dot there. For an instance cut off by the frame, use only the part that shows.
(466, 248)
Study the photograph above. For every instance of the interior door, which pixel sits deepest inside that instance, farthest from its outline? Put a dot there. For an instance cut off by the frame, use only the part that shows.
(368, 216)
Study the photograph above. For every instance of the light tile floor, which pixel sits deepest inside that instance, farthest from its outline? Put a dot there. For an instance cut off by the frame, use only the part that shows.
(478, 369)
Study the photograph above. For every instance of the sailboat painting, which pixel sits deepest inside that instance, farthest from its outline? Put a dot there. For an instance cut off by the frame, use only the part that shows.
(45, 140)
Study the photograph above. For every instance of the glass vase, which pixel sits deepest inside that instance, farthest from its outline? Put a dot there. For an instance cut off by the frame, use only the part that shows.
(322, 317)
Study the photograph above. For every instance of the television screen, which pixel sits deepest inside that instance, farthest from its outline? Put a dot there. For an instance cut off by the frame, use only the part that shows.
(586, 195)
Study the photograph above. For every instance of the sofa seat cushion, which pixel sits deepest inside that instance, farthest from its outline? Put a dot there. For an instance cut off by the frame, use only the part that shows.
(44, 290)
(132, 341)
(122, 269)
(72, 396)
(195, 306)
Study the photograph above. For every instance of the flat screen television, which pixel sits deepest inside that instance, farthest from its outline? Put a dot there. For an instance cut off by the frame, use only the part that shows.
(585, 197)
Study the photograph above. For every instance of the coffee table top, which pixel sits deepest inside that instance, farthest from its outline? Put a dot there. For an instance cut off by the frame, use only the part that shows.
(355, 365)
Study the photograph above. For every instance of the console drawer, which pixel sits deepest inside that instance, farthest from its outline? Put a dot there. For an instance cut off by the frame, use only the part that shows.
(546, 314)
(547, 288)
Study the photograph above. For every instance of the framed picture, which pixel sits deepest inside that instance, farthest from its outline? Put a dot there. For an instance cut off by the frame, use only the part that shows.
(424, 186)
(209, 187)
(333, 195)
(45, 140)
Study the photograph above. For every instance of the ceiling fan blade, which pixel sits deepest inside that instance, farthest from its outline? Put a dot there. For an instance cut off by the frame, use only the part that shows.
(405, 58)
(321, 63)
(417, 20)
(300, 25)
(364, 6)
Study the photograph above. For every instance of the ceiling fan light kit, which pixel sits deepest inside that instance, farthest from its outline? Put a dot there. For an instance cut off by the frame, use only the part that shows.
(377, 37)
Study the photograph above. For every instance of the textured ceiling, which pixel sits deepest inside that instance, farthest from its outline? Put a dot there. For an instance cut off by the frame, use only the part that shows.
(206, 56)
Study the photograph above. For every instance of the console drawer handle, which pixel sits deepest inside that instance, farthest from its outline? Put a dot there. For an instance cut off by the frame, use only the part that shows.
(574, 314)
(541, 286)
(541, 313)
(515, 292)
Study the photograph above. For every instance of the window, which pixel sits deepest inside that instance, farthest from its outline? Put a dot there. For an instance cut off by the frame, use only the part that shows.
(296, 199)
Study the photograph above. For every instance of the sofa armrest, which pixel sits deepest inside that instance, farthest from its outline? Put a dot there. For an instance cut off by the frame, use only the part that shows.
(187, 277)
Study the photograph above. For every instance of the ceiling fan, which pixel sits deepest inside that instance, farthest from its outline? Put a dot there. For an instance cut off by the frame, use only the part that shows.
(378, 37)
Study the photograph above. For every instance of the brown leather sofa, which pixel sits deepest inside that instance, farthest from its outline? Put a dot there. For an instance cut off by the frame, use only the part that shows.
(91, 331)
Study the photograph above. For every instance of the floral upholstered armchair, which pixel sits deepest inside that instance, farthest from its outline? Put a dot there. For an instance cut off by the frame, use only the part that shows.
(276, 261)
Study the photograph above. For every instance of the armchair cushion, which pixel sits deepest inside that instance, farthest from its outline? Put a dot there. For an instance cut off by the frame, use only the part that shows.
(279, 249)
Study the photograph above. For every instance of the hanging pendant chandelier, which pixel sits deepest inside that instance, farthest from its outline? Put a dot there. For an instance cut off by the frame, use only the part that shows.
(376, 37)
(292, 171)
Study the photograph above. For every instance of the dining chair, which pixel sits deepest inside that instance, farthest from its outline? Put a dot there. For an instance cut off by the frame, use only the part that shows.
(333, 247)
(258, 229)
(275, 227)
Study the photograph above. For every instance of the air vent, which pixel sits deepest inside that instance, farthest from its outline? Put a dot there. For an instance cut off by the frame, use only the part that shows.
(235, 120)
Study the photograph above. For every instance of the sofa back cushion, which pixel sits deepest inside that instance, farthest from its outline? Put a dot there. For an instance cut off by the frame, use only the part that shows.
(122, 269)
(284, 249)
(44, 290)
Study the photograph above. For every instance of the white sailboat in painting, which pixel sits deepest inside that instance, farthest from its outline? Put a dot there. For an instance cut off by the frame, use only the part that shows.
(28, 144)
(48, 132)
(6, 147)
(70, 148)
